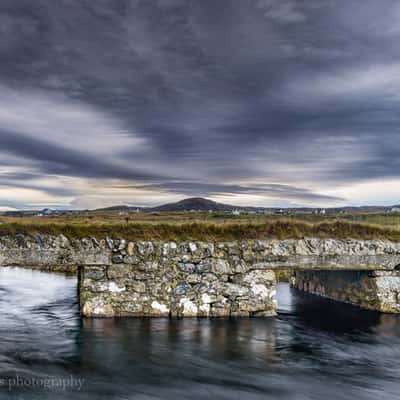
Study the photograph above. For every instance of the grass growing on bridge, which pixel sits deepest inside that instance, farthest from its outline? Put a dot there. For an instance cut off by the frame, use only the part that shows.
(207, 231)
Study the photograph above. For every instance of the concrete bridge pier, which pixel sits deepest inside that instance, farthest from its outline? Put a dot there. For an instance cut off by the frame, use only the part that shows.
(372, 290)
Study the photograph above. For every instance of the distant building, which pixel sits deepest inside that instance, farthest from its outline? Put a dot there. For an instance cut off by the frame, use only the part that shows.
(281, 211)
(235, 212)
(47, 212)
(395, 209)
(321, 211)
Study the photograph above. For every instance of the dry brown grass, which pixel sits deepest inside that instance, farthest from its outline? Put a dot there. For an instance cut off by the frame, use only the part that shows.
(152, 230)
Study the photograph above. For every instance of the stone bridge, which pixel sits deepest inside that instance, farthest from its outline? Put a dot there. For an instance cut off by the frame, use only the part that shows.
(121, 278)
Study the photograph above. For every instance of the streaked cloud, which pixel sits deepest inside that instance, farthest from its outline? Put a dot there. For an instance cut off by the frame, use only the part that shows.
(210, 190)
(144, 101)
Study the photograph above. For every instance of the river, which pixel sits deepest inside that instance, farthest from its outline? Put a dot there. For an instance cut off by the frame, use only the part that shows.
(314, 349)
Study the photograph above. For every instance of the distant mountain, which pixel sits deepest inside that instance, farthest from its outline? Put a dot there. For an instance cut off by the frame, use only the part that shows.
(195, 204)
(190, 204)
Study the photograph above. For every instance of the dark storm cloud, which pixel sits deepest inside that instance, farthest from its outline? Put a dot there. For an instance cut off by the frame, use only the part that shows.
(255, 90)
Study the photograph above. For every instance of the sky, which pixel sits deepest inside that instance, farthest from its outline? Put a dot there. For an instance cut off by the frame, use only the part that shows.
(251, 102)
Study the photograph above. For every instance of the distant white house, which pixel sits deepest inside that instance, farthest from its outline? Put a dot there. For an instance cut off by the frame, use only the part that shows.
(321, 211)
(235, 212)
(395, 209)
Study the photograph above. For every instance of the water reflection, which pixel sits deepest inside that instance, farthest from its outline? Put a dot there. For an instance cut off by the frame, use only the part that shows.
(314, 349)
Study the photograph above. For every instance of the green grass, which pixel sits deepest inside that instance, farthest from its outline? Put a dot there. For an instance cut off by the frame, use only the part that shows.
(206, 231)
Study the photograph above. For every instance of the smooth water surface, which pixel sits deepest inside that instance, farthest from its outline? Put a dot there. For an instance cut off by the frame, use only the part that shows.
(313, 350)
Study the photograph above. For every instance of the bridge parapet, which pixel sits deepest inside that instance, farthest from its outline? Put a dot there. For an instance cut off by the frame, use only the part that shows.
(308, 253)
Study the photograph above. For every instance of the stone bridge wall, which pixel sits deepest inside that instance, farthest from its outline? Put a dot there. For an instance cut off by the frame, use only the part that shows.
(121, 278)
(373, 290)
